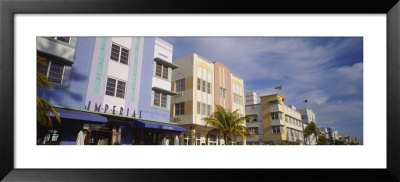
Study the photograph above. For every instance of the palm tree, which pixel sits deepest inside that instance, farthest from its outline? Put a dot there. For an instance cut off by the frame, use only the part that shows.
(311, 129)
(322, 140)
(228, 124)
(43, 107)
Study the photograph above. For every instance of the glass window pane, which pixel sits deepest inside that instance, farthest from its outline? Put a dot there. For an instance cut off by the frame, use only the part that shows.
(178, 86)
(158, 70)
(121, 89)
(182, 84)
(115, 52)
(110, 88)
(157, 98)
(182, 108)
(176, 109)
(165, 72)
(204, 86)
(124, 56)
(163, 100)
(198, 83)
(55, 73)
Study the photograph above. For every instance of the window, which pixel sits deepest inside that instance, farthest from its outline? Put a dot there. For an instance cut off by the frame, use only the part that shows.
(303, 117)
(223, 93)
(237, 99)
(165, 72)
(124, 56)
(119, 54)
(254, 130)
(274, 102)
(160, 99)
(120, 89)
(203, 109)
(158, 69)
(209, 87)
(179, 85)
(204, 86)
(253, 118)
(276, 115)
(110, 88)
(56, 73)
(115, 88)
(277, 129)
(198, 83)
(208, 110)
(179, 109)
(157, 96)
(163, 100)
(63, 39)
(161, 71)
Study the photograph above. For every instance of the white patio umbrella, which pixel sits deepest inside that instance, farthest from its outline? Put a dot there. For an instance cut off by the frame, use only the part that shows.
(164, 141)
(81, 138)
(176, 141)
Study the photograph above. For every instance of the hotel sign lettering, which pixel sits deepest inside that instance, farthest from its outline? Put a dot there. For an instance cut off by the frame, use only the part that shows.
(114, 110)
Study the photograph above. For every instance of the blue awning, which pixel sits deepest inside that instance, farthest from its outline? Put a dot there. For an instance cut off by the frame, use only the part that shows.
(140, 123)
(79, 115)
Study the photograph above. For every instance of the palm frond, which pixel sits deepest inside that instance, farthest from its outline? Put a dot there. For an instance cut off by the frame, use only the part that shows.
(213, 122)
(43, 113)
(229, 123)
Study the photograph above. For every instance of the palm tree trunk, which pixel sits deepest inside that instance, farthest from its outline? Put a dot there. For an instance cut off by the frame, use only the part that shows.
(226, 139)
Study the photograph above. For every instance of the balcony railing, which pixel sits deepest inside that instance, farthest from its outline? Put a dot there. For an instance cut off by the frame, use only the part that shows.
(275, 108)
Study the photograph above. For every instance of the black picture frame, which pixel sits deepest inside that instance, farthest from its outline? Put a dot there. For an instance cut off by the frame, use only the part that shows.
(9, 8)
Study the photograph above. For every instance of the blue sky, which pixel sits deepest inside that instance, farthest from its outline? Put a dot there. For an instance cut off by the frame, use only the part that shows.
(328, 71)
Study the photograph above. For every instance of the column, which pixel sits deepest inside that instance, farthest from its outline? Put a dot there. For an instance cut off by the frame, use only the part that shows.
(192, 136)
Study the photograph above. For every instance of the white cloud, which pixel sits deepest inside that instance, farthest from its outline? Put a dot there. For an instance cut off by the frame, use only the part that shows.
(306, 70)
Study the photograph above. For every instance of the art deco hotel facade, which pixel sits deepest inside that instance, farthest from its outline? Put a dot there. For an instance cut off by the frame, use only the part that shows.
(200, 85)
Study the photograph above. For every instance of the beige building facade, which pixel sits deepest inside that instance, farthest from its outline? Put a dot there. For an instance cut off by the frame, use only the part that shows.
(273, 120)
(200, 85)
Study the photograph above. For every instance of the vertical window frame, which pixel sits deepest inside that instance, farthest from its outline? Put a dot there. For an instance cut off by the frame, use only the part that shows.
(203, 86)
(180, 85)
(198, 84)
(48, 72)
(179, 109)
(115, 90)
(120, 53)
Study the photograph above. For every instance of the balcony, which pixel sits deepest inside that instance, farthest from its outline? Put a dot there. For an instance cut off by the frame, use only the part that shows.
(276, 122)
(275, 108)
(55, 48)
(293, 126)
